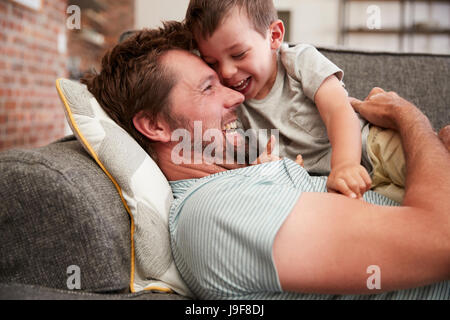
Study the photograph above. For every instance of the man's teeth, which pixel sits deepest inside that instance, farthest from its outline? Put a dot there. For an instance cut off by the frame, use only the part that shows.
(231, 126)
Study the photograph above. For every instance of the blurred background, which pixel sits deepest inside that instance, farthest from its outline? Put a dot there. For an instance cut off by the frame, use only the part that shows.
(42, 40)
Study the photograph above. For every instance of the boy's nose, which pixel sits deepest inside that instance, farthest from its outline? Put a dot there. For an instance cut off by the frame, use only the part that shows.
(227, 70)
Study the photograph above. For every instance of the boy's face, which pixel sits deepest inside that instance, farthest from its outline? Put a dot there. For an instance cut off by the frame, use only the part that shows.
(244, 59)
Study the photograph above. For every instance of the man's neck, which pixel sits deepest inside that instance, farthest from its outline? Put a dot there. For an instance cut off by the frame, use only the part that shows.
(183, 171)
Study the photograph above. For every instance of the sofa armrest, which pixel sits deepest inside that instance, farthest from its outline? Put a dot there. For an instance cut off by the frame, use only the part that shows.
(58, 209)
(29, 292)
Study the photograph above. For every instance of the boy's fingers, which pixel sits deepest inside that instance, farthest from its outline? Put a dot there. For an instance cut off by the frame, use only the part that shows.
(270, 145)
(366, 177)
(340, 186)
(362, 186)
(267, 154)
(354, 185)
(300, 161)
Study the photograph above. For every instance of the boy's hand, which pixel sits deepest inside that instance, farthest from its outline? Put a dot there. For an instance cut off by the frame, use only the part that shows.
(267, 155)
(299, 161)
(349, 179)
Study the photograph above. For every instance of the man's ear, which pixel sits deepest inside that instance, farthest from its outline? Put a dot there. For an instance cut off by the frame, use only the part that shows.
(158, 130)
(276, 35)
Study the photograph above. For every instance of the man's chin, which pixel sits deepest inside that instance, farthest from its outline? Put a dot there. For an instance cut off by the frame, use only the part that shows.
(236, 149)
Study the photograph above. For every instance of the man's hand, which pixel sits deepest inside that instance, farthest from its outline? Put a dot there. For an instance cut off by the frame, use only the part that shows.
(380, 107)
(349, 179)
(444, 135)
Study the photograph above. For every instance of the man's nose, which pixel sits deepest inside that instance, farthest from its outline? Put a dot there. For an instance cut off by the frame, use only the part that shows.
(227, 70)
(233, 98)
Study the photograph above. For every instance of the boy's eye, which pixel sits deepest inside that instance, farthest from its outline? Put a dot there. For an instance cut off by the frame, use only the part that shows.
(238, 56)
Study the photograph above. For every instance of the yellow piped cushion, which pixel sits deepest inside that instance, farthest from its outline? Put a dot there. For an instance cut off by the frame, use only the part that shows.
(144, 190)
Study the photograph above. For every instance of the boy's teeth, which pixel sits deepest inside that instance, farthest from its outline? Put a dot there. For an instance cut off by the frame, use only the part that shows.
(242, 85)
(239, 84)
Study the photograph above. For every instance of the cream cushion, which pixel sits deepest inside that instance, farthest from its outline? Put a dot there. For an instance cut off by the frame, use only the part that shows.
(144, 190)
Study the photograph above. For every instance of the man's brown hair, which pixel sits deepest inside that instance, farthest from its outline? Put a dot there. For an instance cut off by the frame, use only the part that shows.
(203, 17)
(133, 78)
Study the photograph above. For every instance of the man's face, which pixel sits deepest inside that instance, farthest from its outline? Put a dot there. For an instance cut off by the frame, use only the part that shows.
(242, 57)
(199, 96)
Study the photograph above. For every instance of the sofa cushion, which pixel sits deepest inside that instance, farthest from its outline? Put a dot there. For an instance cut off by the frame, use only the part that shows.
(58, 209)
(420, 78)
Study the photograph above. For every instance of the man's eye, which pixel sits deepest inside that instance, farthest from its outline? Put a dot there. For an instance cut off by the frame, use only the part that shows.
(208, 88)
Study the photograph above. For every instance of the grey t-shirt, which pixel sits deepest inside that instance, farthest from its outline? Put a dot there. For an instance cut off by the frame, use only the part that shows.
(290, 107)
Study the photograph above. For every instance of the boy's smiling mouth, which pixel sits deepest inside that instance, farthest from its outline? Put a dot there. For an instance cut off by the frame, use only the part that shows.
(242, 86)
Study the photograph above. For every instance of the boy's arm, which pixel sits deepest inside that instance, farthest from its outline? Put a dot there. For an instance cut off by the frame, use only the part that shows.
(347, 176)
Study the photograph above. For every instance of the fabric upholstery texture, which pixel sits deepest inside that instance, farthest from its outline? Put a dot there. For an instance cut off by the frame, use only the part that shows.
(30, 292)
(58, 210)
(420, 78)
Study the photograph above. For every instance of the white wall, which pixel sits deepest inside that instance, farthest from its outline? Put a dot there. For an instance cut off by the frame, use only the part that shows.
(150, 13)
(313, 21)
(317, 22)
(430, 14)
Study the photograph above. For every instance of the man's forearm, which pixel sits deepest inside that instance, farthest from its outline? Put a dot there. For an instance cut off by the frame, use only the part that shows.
(427, 161)
(411, 243)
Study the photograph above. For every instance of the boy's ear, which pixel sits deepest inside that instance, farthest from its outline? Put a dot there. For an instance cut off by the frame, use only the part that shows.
(158, 130)
(276, 34)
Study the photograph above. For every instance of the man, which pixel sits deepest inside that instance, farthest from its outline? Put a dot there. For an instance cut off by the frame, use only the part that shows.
(270, 230)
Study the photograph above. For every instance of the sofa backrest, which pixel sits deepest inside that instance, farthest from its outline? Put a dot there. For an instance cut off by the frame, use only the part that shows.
(420, 78)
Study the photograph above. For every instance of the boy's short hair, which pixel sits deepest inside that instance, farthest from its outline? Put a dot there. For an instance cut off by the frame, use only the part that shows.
(203, 17)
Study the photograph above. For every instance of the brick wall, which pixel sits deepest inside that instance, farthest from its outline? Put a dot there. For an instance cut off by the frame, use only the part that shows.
(30, 110)
(31, 114)
(109, 18)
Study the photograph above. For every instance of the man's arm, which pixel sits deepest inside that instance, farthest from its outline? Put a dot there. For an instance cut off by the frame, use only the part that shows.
(328, 241)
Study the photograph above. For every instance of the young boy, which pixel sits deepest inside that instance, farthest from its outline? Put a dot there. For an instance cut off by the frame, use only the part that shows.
(298, 91)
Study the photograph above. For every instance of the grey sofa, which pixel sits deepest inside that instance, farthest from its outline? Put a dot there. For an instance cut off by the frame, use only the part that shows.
(58, 208)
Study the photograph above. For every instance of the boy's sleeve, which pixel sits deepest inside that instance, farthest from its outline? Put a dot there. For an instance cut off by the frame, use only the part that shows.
(307, 65)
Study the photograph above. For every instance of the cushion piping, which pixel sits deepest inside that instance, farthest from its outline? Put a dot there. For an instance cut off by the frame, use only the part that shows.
(78, 134)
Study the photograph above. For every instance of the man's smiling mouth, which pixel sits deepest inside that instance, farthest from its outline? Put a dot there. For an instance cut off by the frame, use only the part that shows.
(231, 126)
(232, 134)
